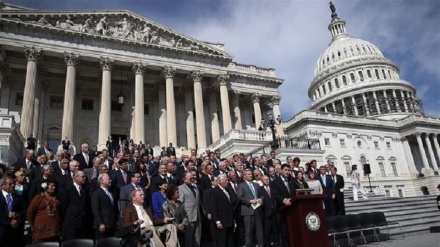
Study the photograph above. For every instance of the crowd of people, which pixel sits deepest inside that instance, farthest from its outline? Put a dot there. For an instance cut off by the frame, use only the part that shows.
(130, 192)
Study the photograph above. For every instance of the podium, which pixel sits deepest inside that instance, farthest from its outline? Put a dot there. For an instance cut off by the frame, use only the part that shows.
(305, 221)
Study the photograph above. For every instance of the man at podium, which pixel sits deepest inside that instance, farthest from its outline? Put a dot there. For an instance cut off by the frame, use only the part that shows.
(283, 191)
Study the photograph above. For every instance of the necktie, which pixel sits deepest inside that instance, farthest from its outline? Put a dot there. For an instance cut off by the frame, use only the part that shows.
(192, 190)
(139, 188)
(147, 221)
(235, 187)
(268, 191)
(286, 183)
(323, 180)
(124, 176)
(95, 173)
(226, 194)
(9, 202)
(334, 179)
(253, 190)
(109, 196)
(86, 157)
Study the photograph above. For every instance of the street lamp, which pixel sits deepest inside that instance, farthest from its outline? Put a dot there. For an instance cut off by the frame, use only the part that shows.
(121, 97)
(271, 124)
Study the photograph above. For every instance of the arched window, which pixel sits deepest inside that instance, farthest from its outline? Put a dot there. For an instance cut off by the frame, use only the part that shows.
(369, 74)
(361, 76)
(344, 80)
(353, 80)
(329, 86)
(384, 75)
(377, 74)
(336, 83)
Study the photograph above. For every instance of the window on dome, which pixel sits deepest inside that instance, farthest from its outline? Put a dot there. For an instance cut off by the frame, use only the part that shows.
(329, 86)
(384, 75)
(389, 73)
(359, 50)
(339, 54)
(336, 83)
(353, 80)
(344, 80)
(369, 74)
(333, 56)
(323, 89)
(328, 59)
(361, 76)
(377, 74)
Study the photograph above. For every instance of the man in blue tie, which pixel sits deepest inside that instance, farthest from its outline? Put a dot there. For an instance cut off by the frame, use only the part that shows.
(328, 187)
(12, 212)
(249, 196)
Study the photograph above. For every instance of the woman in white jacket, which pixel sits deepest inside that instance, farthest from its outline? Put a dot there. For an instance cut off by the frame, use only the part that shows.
(356, 182)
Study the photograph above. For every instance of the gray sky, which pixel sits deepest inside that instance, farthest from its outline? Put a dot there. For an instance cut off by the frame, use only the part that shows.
(290, 35)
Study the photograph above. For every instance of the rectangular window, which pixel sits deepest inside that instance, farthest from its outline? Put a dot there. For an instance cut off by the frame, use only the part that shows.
(342, 142)
(388, 145)
(376, 144)
(56, 102)
(393, 165)
(382, 169)
(87, 104)
(387, 193)
(146, 109)
(19, 99)
(400, 192)
(116, 107)
(347, 168)
(327, 141)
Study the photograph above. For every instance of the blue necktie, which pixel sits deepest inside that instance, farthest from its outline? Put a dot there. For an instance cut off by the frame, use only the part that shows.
(253, 190)
(109, 196)
(9, 202)
(324, 181)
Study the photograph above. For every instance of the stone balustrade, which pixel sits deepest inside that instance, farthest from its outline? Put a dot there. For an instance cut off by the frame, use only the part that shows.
(252, 68)
(242, 135)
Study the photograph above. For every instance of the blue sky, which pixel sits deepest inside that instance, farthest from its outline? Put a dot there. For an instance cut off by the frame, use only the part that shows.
(290, 35)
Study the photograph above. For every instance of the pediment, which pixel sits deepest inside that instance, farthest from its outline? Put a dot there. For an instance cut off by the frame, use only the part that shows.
(119, 25)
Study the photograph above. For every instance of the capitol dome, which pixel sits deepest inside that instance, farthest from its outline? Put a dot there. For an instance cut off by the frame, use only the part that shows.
(352, 77)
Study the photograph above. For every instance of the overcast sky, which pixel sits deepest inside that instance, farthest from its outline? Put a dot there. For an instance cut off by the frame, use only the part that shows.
(290, 35)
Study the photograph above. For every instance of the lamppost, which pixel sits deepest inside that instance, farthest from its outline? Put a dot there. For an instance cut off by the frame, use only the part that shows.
(121, 97)
(272, 124)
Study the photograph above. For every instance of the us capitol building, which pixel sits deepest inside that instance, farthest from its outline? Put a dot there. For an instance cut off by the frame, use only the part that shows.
(88, 75)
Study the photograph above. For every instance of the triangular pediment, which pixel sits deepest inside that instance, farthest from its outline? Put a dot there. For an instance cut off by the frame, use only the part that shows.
(119, 25)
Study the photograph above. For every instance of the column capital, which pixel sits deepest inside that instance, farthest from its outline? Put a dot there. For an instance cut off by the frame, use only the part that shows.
(168, 72)
(106, 63)
(276, 99)
(71, 59)
(223, 79)
(139, 68)
(418, 134)
(256, 97)
(32, 54)
(197, 75)
(4, 69)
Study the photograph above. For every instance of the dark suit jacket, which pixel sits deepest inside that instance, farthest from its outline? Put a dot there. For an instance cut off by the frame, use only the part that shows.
(55, 165)
(118, 181)
(129, 215)
(280, 192)
(124, 196)
(41, 151)
(171, 151)
(21, 163)
(149, 151)
(64, 181)
(104, 210)
(205, 182)
(206, 197)
(36, 172)
(338, 186)
(222, 208)
(75, 208)
(6, 230)
(329, 188)
(82, 162)
(244, 195)
(269, 202)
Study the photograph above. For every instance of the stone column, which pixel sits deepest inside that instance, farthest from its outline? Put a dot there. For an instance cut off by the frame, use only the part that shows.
(377, 102)
(189, 108)
(224, 97)
(422, 151)
(366, 107)
(163, 134)
(257, 110)
(5, 96)
(405, 106)
(169, 72)
(277, 112)
(200, 116)
(4, 69)
(396, 101)
(72, 61)
(237, 110)
(27, 114)
(353, 101)
(437, 148)
(386, 100)
(139, 103)
(343, 106)
(37, 102)
(106, 101)
(215, 128)
(431, 152)
(409, 156)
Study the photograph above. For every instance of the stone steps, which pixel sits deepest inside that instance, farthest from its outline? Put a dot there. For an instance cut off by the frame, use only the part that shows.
(414, 214)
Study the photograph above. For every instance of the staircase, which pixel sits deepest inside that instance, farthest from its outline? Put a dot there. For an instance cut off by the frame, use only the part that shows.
(414, 214)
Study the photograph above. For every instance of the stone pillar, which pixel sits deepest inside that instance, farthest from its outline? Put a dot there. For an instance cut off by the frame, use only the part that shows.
(215, 128)
(343, 106)
(237, 111)
(71, 60)
(189, 108)
(37, 102)
(4, 69)
(396, 101)
(431, 152)
(376, 102)
(422, 151)
(106, 102)
(366, 107)
(405, 106)
(409, 156)
(257, 110)
(169, 72)
(224, 97)
(386, 100)
(5, 96)
(353, 101)
(325, 109)
(163, 134)
(27, 113)
(200, 116)
(139, 103)
(277, 113)
(437, 148)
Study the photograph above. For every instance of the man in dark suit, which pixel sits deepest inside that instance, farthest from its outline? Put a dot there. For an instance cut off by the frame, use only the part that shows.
(171, 150)
(65, 177)
(270, 162)
(328, 188)
(44, 149)
(149, 150)
(269, 208)
(221, 204)
(248, 196)
(12, 215)
(120, 177)
(94, 185)
(124, 194)
(221, 168)
(31, 142)
(93, 171)
(338, 202)
(84, 158)
(35, 187)
(66, 144)
(104, 208)
(205, 181)
(283, 191)
(76, 209)
(26, 163)
(161, 177)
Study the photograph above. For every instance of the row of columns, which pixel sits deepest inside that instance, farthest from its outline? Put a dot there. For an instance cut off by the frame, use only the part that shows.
(167, 105)
(428, 143)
